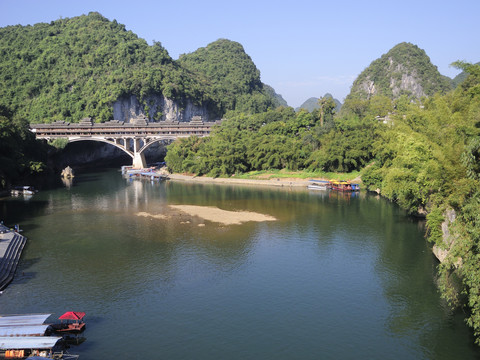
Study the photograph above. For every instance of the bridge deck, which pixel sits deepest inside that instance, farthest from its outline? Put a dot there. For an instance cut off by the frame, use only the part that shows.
(123, 130)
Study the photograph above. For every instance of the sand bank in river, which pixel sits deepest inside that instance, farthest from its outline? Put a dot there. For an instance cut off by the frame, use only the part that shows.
(213, 214)
(224, 217)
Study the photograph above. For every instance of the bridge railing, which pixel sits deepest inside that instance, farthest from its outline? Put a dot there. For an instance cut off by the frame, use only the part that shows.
(123, 130)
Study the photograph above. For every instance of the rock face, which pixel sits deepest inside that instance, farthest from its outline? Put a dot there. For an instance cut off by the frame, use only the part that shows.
(67, 173)
(157, 108)
(404, 70)
(448, 238)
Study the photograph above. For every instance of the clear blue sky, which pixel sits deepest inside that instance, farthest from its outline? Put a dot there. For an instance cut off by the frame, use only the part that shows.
(302, 48)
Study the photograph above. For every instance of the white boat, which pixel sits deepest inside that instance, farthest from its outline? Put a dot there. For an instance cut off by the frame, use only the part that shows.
(25, 190)
(318, 185)
(28, 190)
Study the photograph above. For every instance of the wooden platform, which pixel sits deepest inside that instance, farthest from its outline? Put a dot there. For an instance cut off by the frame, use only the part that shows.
(11, 247)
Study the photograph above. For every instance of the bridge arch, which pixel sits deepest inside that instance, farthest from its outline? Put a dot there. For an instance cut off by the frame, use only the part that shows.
(104, 140)
(147, 144)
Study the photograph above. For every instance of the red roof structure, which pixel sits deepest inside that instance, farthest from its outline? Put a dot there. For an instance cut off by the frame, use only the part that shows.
(72, 315)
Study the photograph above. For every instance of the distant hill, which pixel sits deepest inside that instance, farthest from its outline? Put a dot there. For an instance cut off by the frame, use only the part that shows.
(279, 100)
(404, 70)
(312, 104)
(457, 80)
(79, 67)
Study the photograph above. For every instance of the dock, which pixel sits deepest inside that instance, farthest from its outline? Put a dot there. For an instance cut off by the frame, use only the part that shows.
(11, 247)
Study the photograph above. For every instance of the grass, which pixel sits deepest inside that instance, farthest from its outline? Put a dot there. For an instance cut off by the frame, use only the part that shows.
(273, 174)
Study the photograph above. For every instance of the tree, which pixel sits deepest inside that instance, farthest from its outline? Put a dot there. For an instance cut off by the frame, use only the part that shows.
(327, 109)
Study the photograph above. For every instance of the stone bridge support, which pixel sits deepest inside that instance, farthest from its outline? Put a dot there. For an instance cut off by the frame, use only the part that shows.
(138, 157)
(139, 161)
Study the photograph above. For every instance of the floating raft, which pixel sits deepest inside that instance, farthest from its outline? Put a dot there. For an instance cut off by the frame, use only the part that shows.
(28, 342)
(23, 325)
(11, 247)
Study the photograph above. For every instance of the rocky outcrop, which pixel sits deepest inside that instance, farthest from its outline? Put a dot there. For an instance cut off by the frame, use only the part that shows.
(67, 173)
(442, 252)
(157, 108)
(404, 70)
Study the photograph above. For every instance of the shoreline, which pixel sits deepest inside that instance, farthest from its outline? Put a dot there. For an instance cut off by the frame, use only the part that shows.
(277, 182)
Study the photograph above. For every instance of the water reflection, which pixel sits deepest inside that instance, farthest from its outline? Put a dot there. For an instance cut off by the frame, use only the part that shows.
(336, 276)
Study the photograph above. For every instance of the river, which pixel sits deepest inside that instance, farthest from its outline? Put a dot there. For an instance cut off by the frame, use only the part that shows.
(333, 277)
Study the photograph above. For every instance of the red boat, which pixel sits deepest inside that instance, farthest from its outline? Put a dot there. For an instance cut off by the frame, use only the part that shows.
(71, 321)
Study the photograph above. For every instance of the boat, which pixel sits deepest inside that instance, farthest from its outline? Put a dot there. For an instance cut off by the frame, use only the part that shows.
(29, 190)
(70, 322)
(20, 347)
(25, 190)
(28, 336)
(342, 185)
(318, 185)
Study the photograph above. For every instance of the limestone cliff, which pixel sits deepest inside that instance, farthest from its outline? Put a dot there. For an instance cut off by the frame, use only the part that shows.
(442, 252)
(157, 108)
(404, 70)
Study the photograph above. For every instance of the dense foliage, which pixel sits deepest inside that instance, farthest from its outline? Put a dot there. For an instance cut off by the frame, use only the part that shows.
(428, 159)
(20, 154)
(278, 139)
(312, 103)
(388, 75)
(422, 153)
(75, 68)
(425, 155)
(230, 76)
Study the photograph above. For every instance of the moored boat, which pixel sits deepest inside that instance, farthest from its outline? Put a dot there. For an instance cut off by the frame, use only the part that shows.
(25, 190)
(71, 322)
(341, 185)
(318, 185)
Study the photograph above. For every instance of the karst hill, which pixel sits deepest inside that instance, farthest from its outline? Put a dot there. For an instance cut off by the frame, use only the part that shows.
(89, 66)
(404, 70)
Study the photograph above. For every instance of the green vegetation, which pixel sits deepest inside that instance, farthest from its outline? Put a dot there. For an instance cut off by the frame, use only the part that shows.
(20, 154)
(304, 174)
(75, 68)
(423, 154)
(312, 103)
(278, 139)
(278, 99)
(59, 143)
(386, 75)
(428, 160)
(230, 76)
(419, 148)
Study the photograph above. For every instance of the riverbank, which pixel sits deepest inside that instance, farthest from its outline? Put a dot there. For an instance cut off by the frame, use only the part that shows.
(278, 182)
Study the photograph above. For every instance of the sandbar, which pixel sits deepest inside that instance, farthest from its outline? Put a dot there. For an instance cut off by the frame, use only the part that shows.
(224, 217)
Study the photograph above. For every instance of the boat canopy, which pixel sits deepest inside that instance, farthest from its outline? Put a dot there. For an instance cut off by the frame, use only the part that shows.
(28, 342)
(27, 319)
(72, 315)
(23, 330)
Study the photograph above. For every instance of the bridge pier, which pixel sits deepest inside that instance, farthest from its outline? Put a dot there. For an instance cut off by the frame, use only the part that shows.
(139, 161)
(138, 158)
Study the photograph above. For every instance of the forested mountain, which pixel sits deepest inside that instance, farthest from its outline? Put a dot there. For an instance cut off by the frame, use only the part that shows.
(78, 67)
(229, 75)
(312, 103)
(279, 100)
(404, 70)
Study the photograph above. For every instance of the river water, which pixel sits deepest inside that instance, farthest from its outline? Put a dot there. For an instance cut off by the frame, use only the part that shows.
(334, 277)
